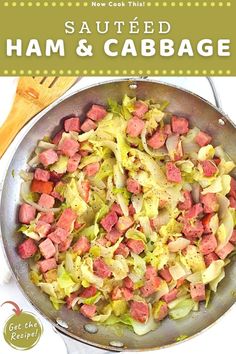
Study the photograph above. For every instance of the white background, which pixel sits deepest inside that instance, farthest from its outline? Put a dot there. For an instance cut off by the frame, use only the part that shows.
(217, 339)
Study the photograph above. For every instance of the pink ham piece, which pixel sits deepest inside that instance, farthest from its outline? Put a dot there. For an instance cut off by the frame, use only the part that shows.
(150, 286)
(139, 311)
(91, 169)
(232, 192)
(170, 296)
(127, 293)
(41, 175)
(48, 157)
(135, 126)
(150, 272)
(197, 291)
(123, 250)
(117, 209)
(133, 186)
(203, 139)
(132, 211)
(47, 248)
(163, 311)
(116, 293)
(158, 139)
(88, 125)
(46, 201)
(42, 228)
(26, 213)
(140, 108)
(88, 310)
(179, 125)
(58, 236)
(192, 229)
(88, 292)
(73, 163)
(208, 244)
(233, 237)
(27, 249)
(47, 264)
(209, 168)
(210, 202)
(113, 236)
(64, 245)
(128, 283)
(124, 223)
(96, 112)
(173, 173)
(225, 251)
(194, 211)
(72, 124)
(206, 223)
(47, 217)
(109, 221)
(136, 246)
(66, 219)
(209, 258)
(81, 246)
(71, 298)
(56, 139)
(188, 201)
(101, 269)
(69, 147)
(232, 202)
(165, 274)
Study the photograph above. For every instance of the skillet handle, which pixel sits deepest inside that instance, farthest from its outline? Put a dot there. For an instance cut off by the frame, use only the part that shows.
(214, 91)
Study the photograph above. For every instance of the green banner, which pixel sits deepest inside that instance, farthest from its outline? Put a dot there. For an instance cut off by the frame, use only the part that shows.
(118, 38)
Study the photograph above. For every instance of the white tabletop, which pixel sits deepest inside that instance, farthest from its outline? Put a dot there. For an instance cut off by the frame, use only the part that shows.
(215, 339)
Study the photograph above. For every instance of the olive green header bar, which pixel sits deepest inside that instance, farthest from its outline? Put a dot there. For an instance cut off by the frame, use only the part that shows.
(118, 38)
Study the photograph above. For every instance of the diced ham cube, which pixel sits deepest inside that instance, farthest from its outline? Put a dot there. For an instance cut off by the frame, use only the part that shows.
(203, 139)
(124, 223)
(150, 272)
(91, 169)
(71, 298)
(56, 139)
(188, 201)
(139, 311)
(133, 186)
(41, 175)
(69, 147)
(232, 202)
(209, 168)
(158, 139)
(136, 246)
(197, 291)
(192, 229)
(88, 310)
(109, 221)
(72, 124)
(128, 283)
(73, 163)
(66, 219)
(46, 201)
(179, 125)
(127, 293)
(113, 236)
(116, 293)
(78, 225)
(173, 173)
(88, 292)
(208, 244)
(88, 125)
(233, 237)
(210, 203)
(27, 249)
(47, 217)
(209, 258)
(81, 246)
(170, 296)
(135, 126)
(47, 248)
(225, 251)
(42, 228)
(140, 108)
(26, 213)
(150, 286)
(85, 190)
(165, 274)
(101, 269)
(117, 209)
(123, 250)
(206, 223)
(48, 157)
(64, 245)
(96, 112)
(47, 264)
(163, 311)
(132, 211)
(58, 236)
(41, 187)
(167, 129)
(232, 192)
(194, 211)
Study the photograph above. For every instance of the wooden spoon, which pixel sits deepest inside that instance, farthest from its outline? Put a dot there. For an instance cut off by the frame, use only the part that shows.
(33, 95)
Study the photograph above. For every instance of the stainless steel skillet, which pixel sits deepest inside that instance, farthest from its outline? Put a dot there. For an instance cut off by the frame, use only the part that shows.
(200, 113)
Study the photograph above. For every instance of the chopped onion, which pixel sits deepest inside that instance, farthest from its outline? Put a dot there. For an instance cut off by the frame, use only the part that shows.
(85, 136)
(223, 205)
(137, 201)
(178, 245)
(26, 176)
(177, 271)
(34, 161)
(196, 190)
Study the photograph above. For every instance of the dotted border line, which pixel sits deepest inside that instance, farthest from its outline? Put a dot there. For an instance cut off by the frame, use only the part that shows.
(86, 72)
(86, 4)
